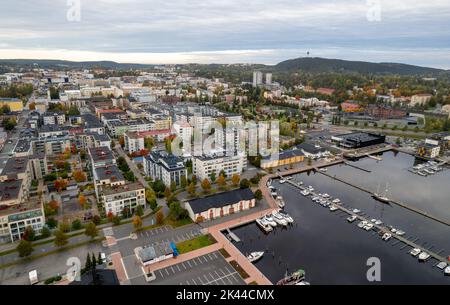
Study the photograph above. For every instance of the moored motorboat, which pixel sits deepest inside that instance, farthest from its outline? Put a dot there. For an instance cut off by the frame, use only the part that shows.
(362, 224)
(415, 251)
(447, 271)
(269, 219)
(286, 216)
(264, 225)
(254, 256)
(424, 256)
(351, 218)
(333, 208)
(279, 219)
(386, 236)
(293, 278)
(356, 211)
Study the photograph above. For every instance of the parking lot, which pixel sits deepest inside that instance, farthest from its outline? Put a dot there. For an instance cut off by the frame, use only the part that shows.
(208, 269)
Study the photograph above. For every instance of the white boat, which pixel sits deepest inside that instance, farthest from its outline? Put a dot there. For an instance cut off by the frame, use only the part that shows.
(362, 224)
(263, 224)
(356, 211)
(281, 203)
(326, 195)
(305, 193)
(423, 174)
(333, 208)
(378, 222)
(415, 251)
(382, 197)
(424, 256)
(282, 181)
(393, 230)
(368, 227)
(336, 201)
(271, 187)
(429, 171)
(400, 233)
(310, 188)
(386, 236)
(351, 218)
(286, 216)
(315, 198)
(274, 194)
(373, 220)
(269, 219)
(447, 271)
(279, 219)
(254, 256)
(442, 265)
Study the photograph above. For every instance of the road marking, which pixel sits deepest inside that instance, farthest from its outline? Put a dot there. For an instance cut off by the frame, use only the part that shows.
(195, 263)
(161, 273)
(152, 232)
(214, 254)
(209, 255)
(194, 281)
(166, 271)
(187, 282)
(146, 233)
(205, 258)
(171, 267)
(189, 263)
(200, 280)
(124, 269)
(178, 267)
(183, 266)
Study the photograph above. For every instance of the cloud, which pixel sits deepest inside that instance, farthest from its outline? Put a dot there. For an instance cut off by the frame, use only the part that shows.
(167, 27)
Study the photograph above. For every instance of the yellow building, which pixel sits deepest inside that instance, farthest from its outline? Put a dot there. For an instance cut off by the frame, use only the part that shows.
(14, 104)
(285, 158)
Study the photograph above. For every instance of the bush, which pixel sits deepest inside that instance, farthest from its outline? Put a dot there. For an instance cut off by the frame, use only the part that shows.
(244, 184)
(52, 223)
(116, 220)
(96, 219)
(45, 232)
(76, 225)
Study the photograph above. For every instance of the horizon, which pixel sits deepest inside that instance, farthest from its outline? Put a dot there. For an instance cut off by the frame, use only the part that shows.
(161, 32)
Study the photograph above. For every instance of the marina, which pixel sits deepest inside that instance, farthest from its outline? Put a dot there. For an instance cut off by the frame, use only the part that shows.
(317, 232)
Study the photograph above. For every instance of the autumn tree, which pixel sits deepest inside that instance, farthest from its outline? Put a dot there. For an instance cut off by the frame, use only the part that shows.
(206, 185)
(221, 181)
(191, 188)
(60, 184)
(137, 223)
(79, 176)
(82, 200)
(183, 181)
(122, 141)
(160, 217)
(167, 192)
(235, 180)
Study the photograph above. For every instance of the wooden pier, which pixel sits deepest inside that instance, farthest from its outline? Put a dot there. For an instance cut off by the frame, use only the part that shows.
(357, 167)
(382, 229)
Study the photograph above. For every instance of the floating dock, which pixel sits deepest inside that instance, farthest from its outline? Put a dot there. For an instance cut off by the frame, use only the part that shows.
(382, 229)
(233, 236)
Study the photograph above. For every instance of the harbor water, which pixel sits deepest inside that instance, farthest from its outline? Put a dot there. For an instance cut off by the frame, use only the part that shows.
(333, 251)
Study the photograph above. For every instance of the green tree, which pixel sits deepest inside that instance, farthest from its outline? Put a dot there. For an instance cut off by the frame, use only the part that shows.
(88, 264)
(64, 226)
(29, 234)
(91, 230)
(191, 188)
(61, 239)
(139, 211)
(45, 232)
(76, 225)
(244, 184)
(183, 181)
(173, 186)
(258, 194)
(213, 176)
(24, 248)
(52, 223)
(137, 223)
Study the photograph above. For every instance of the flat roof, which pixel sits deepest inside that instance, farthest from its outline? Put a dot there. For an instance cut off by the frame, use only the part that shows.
(220, 200)
(109, 172)
(148, 253)
(117, 189)
(359, 137)
(14, 166)
(101, 153)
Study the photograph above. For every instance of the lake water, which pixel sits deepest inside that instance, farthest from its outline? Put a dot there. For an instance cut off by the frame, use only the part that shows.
(333, 251)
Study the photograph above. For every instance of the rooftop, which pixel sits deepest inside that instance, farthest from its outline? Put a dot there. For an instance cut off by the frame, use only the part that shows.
(110, 190)
(111, 172)
(220, 200)
(15, 166)
(100, 154)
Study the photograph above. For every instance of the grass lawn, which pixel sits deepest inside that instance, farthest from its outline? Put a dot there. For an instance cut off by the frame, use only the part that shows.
(196, 243)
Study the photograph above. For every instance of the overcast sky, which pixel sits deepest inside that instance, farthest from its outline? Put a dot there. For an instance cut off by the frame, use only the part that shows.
(227, 31)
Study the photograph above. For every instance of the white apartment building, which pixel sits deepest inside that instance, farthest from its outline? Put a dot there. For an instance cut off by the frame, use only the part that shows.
(257, 78)
(53, 118)
(116, 198)
(204, 166)
(160, 165)
(184, 131)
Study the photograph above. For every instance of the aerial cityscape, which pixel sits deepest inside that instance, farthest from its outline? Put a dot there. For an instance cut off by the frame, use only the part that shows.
(175, 165)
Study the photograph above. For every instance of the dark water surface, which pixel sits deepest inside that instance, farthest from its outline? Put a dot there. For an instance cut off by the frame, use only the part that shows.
(332, 251)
